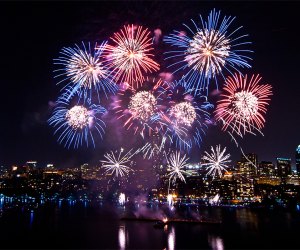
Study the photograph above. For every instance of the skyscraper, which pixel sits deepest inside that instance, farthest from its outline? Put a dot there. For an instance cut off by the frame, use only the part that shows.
(248, 165)
(298, 159)
(266, 168)
(284, 167)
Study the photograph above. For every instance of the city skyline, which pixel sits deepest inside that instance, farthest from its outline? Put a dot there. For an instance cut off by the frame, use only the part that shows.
(35, 36)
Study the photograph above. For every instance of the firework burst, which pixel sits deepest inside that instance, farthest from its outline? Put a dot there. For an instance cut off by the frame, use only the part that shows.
(210, 50)
(140, 109)
(78, 123)
(243, 104)
(176, 165)
(130, 58)
(186, 115)
(142, 105)
(216, 161)
(83, 71)
(117, 163)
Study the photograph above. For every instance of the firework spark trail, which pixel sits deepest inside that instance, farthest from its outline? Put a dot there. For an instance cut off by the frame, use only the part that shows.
(150, 149)
(208, 52)
(176, 165)
(130, 58)
(116, 163)
(243, 104)
(83, 71)
(217, 161)
(78, 123)
(242, 151)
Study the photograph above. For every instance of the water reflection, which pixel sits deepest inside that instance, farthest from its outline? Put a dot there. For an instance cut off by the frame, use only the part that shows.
(247, 219)
(171, 239)
(31, 218)
(1, 202)
(215, 242)
(122, 238)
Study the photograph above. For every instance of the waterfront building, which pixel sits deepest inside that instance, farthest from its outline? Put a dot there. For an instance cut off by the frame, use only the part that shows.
(266, 169)
(247, 166)
(284, 167)
(298, 160)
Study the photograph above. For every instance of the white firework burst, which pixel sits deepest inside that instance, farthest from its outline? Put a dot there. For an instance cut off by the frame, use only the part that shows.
(244, 105)
(78, 117)
(177, 164)
(117, 164)
(142, 105)
(86, 69)
(217, 161)
(184, 113)
(207, 51)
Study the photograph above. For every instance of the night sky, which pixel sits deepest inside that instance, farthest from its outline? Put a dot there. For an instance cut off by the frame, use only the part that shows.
(32, 34)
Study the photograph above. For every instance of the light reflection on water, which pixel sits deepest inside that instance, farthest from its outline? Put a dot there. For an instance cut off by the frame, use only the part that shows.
(244, 224)
(216, 242)
(247, 219)
(31, 218)
(122, 237)
(171, 239)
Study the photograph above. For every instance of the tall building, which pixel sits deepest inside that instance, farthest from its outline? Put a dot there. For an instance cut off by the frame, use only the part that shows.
(31, 164)
(247, 166)
(266, 168)
(284, 167)
(244, 187)
(298, 159)
(89, 172)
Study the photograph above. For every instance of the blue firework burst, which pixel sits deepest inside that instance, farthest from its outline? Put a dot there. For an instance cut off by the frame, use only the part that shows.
(207, 50)
(83, 71)
(77, 124)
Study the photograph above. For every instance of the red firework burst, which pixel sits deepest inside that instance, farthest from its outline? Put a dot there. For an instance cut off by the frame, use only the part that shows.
(243, 104)
(130, 57)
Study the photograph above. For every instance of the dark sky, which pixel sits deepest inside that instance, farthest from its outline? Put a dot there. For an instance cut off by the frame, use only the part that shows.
(32, 34)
